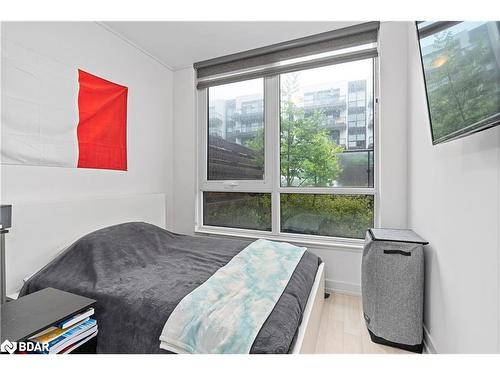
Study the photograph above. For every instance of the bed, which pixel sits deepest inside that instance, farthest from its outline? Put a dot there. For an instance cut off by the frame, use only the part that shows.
(139, 272)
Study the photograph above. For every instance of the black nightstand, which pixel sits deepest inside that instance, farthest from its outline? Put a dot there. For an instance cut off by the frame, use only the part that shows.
(31, 314)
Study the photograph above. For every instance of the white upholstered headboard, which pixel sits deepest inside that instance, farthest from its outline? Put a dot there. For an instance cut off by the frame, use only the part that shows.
(40, 230)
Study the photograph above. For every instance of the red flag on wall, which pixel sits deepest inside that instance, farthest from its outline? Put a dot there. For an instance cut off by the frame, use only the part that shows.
(102, 125)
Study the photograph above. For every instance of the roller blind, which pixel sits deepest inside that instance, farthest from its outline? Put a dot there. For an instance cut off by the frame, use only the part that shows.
(337, 46)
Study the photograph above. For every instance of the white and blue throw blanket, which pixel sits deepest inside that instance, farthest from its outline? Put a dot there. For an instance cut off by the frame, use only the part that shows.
(225, 314)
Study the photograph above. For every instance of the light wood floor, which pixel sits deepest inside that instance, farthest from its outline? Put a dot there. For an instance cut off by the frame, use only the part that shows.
(343, 329)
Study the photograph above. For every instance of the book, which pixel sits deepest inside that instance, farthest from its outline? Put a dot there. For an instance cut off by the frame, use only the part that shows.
(59, 342)
(71, 347)
(74, 340)
(52, 333)
(44, 332)
(75, 319)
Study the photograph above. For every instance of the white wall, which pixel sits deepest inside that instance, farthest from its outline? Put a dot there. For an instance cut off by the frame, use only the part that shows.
(454, 203)
(393, 42)
(89, 46)
(184, 150)
(342, 265)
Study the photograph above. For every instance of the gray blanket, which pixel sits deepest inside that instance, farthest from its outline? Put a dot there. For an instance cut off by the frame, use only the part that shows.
(138, 273)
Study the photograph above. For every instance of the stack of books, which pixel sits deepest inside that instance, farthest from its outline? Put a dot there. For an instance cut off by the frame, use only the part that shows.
(68, 334)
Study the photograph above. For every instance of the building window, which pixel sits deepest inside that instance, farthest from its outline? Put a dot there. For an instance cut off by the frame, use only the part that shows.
(290, 154)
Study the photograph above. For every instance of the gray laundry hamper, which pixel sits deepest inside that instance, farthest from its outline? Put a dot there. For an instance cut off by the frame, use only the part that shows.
(392, 281)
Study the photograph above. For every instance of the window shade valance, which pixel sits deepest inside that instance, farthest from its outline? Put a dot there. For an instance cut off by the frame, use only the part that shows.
(269, 60)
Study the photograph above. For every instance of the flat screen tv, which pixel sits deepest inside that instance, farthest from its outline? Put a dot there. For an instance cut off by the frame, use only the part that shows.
(461, 65)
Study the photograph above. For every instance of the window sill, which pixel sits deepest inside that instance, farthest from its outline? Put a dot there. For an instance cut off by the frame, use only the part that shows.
(318, 242)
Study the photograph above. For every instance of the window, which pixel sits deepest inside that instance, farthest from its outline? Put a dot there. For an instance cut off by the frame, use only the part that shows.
(326, 214)
(311, 154)
(237, 210)
(290, 155)
(236, 131)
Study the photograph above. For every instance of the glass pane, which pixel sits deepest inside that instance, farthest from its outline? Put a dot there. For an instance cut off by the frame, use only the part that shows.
(357, 168)
(462, 74)
(236, 131)
(237, 210)
(326, 112)
(327, 215)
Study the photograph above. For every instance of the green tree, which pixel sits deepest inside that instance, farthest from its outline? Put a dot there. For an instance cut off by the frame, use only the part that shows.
(308, 155)
(256, 144)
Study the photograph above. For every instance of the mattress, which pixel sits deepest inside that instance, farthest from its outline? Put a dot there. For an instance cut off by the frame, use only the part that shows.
(138, 273)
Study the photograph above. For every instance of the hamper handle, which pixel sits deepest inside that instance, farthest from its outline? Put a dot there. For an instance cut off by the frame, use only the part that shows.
(400, 252)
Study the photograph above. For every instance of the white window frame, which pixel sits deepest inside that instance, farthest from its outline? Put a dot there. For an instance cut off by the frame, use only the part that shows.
(255, 186)
(271, 182)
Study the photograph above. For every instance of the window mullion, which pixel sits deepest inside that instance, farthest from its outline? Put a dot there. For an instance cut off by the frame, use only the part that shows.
(376, 141)
(272, 100)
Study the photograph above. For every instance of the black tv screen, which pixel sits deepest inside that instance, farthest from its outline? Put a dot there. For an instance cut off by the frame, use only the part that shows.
(461, 64)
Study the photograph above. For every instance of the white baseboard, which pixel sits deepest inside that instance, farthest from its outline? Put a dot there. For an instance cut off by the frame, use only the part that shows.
(429, 347)
(334, 286)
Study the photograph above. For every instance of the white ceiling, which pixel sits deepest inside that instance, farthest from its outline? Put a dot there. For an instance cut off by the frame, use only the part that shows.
(180, 44)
